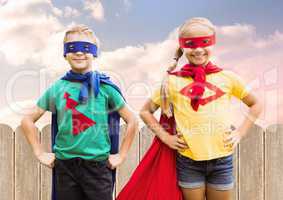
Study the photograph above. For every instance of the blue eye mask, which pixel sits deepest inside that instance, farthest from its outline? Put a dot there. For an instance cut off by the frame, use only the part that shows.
(84, 47)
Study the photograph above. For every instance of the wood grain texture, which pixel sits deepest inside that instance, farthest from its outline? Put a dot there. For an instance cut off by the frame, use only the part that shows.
(146, 138)
(46, 173)
(236, 174)
(27, 170)
(274, 162)
(257, 164)
(251, 165)
(7, 162)
(125, 171)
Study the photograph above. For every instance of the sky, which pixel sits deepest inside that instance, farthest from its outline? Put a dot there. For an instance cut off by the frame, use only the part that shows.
(136, 44)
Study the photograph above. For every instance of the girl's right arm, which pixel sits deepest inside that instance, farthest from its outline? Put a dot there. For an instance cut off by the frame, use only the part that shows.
(30, 132)
(146, 114)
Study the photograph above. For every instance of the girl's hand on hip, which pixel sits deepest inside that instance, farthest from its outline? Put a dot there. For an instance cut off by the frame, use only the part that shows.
(232, 138)
(175, 142)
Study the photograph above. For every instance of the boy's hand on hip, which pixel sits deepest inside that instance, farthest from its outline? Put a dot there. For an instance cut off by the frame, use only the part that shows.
(46, 159)
(114, 160)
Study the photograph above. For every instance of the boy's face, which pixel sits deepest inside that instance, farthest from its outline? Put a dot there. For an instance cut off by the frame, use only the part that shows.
(199, 55)
(80, 62)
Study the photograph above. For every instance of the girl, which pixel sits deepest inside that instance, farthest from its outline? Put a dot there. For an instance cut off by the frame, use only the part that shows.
(199, 95)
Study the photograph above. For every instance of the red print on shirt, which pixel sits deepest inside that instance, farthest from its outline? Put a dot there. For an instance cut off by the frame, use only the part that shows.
(187, 91)
(80, 122)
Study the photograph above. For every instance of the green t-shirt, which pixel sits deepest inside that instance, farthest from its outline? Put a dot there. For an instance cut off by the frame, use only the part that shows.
(82, 128)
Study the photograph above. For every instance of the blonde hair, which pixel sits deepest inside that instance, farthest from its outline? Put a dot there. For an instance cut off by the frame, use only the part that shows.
(80, 29)
(196, 20)
(184, 28)
(166, 105)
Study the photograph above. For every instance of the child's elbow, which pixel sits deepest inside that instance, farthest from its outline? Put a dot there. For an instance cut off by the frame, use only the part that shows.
(134, 121)
(142, 114)
(256, 107)
(25, 122)
(259, 107)
(131, 119)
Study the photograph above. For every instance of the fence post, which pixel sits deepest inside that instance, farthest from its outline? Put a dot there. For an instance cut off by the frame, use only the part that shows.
(46, 173)
(258, 164)
(7, 162)
(125, 171)
(146, 138)
(27, 171)
(251, 165)
(274, 162)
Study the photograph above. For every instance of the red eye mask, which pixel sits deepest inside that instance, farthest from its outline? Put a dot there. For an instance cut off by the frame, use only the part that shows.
(196, 42)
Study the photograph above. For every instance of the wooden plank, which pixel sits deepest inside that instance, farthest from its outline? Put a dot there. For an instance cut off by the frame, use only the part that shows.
(146, 138)
(274, 162)
(46, 173)
(27, 173)
(250, 184)
(236, 174)
(251, 169)
(7, 162)
(124, 172)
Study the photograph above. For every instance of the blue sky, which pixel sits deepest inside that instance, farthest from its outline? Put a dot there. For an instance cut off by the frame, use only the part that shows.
(144, 21)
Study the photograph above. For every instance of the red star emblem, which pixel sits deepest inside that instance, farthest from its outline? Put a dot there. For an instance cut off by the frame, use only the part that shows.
(187, 91)
(80, 122)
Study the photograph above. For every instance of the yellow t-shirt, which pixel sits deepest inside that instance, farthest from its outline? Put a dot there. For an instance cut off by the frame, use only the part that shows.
(204, 130)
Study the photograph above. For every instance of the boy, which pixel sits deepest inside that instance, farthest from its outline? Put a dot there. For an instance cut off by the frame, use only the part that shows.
(80, 101)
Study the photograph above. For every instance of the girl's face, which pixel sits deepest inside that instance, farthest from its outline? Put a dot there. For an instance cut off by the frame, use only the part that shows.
(199, 55)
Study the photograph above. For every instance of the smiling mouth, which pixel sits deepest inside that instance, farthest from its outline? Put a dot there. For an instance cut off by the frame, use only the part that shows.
(79, 59)
(199, 56)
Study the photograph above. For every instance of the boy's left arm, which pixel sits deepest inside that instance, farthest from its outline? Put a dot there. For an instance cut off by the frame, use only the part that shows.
(255, 109)
(131, 129)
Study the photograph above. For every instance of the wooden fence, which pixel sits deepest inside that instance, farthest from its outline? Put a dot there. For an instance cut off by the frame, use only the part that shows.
(258, 165)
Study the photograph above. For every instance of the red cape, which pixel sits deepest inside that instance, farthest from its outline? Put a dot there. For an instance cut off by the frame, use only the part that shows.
(155, 177)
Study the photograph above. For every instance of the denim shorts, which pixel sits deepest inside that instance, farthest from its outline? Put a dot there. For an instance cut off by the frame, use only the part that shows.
(216, 173)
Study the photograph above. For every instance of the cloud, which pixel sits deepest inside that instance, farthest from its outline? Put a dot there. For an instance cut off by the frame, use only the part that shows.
(24, 34)
(13, 114)
(67, 12)
(57, 12)
(243, 38)
(240, 48)
(150, 59)
(71, 12)
(96, 9)
(127, 4)
(3, 2)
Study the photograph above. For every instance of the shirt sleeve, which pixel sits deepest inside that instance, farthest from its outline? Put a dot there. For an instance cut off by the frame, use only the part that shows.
(47, 101)
(115, 98)
(156, 97)
(239, 86)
